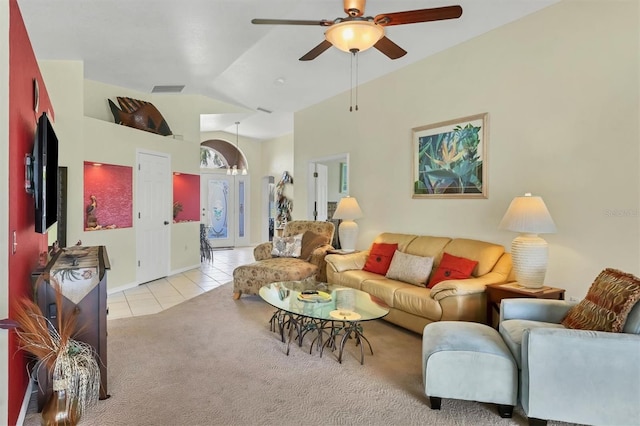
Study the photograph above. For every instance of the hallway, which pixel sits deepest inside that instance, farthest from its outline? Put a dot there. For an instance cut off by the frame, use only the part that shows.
(155, 296)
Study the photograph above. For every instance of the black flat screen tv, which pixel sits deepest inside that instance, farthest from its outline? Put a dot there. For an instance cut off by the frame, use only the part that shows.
(45, 175)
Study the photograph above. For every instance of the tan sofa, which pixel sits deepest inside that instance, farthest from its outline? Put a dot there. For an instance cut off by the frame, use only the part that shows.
(414, 307)
(247, 279)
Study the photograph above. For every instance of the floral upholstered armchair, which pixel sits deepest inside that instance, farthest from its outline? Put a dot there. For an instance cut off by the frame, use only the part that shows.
(297, 255)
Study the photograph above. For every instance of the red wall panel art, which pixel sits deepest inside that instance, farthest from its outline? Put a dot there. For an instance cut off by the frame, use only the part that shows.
(113, 188)
(186, 191)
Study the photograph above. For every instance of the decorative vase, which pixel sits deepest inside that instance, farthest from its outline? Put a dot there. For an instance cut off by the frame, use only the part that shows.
(60, 409)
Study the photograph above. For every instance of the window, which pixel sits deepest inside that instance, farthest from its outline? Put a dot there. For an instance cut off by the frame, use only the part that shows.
(211, 159)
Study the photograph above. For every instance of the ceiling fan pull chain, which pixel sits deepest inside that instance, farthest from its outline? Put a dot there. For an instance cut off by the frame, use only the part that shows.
(357, 56)
(351, 82)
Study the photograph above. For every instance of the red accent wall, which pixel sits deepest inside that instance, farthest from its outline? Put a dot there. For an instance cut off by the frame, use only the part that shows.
(23, 68)
(113, 187)
(186, 190)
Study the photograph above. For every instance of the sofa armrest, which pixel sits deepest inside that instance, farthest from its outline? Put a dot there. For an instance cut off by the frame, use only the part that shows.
(462, 287)
(346, 262)
(581, 376)
(544, 310)
(263, 251)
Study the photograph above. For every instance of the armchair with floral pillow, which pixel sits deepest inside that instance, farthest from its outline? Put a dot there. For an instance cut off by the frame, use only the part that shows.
(297, 255)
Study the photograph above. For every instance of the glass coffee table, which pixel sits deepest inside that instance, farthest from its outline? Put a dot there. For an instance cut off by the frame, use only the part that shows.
(330, 313)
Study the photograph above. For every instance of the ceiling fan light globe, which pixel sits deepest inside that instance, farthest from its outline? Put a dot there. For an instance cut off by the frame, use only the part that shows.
(354, 35)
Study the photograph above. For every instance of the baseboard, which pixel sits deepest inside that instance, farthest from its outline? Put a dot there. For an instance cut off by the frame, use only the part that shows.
(133, 285)
(25, 403)
(185, 269)
(122, 288)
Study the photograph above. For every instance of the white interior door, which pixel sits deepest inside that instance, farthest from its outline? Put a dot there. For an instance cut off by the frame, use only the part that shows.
(154, 215)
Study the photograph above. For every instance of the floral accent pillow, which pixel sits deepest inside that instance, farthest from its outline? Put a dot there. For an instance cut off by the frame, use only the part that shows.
(287, 246)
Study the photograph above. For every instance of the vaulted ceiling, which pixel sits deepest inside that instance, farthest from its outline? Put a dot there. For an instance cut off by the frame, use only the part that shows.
(211, 47)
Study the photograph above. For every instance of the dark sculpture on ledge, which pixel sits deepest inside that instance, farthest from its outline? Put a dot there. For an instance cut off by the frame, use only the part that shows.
(139, 115)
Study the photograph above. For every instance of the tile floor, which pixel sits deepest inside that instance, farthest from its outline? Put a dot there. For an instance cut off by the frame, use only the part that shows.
(155, 296)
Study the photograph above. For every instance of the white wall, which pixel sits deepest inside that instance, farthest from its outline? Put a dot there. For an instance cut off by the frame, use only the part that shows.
(561, 90)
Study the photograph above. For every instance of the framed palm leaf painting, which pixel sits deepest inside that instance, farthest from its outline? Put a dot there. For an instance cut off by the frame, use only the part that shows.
(450, 159)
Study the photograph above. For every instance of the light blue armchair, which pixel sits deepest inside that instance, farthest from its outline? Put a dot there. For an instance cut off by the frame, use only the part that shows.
(579, 376)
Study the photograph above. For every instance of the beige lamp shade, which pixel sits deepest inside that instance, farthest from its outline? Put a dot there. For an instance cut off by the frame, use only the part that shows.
(352, 36)
(348, 210)
(530, 253)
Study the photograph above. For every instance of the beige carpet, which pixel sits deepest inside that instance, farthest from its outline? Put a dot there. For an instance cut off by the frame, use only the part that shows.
(214, 361)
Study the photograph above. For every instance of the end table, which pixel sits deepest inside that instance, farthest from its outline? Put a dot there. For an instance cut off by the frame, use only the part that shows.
(496, 292)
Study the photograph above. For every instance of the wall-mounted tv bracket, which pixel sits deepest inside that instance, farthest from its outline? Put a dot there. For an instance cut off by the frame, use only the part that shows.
(28, 174)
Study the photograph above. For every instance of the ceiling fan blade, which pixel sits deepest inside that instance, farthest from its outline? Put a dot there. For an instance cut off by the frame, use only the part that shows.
(421, 15)
(389, 48)
(316, 51)
(322, 23)
(354, 7)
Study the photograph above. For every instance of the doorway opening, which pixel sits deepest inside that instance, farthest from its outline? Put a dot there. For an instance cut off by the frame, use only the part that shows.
(224, 198)
(328, 182)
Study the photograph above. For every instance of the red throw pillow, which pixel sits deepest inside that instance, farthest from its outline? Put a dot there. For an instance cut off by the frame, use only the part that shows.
(452, 268)
(380, 258)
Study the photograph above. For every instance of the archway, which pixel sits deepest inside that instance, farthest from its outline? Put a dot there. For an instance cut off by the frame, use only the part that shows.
(218, 153)
(224, 197)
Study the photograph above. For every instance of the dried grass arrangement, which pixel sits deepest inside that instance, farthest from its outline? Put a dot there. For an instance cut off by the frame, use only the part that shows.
(72, 365)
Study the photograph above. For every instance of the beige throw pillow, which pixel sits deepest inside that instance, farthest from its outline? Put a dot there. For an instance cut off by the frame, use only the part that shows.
(410, 268)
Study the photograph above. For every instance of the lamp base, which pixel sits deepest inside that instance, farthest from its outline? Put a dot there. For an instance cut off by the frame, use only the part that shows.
(348, 234)
(530, 255)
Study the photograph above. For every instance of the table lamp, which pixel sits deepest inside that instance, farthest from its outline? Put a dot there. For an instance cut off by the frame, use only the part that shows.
(348, 210)
(529, 216)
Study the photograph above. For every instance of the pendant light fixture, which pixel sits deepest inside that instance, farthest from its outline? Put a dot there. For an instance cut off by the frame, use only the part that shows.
(234, 169)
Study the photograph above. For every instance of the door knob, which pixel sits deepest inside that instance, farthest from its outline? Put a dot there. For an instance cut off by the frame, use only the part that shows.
(166, 222)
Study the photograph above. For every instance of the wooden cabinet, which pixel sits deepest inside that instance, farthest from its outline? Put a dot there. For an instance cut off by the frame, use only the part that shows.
(82, 273)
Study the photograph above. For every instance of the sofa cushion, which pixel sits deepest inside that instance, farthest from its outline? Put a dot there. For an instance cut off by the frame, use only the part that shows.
(513, 330)
(274, 270)
(380, 258)
(384, 288)
(608, 302)
(403, 240)
(410, 269)
(486, 254)
(416, 301)
(452, 268)
(354, 278)
(287, 246)
(428, 246)
(310, 242)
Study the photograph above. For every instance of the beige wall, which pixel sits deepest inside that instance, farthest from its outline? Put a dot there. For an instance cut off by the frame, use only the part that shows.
(277, 156)
(561, 90)
(85, 128)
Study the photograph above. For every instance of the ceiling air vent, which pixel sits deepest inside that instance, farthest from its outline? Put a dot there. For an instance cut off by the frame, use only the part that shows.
(264, 110)
(167, 89)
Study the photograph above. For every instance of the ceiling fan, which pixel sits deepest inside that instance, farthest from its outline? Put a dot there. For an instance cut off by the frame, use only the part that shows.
(356, 32)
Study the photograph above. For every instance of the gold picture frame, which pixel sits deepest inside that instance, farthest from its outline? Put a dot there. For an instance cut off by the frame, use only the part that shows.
(450, 158)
